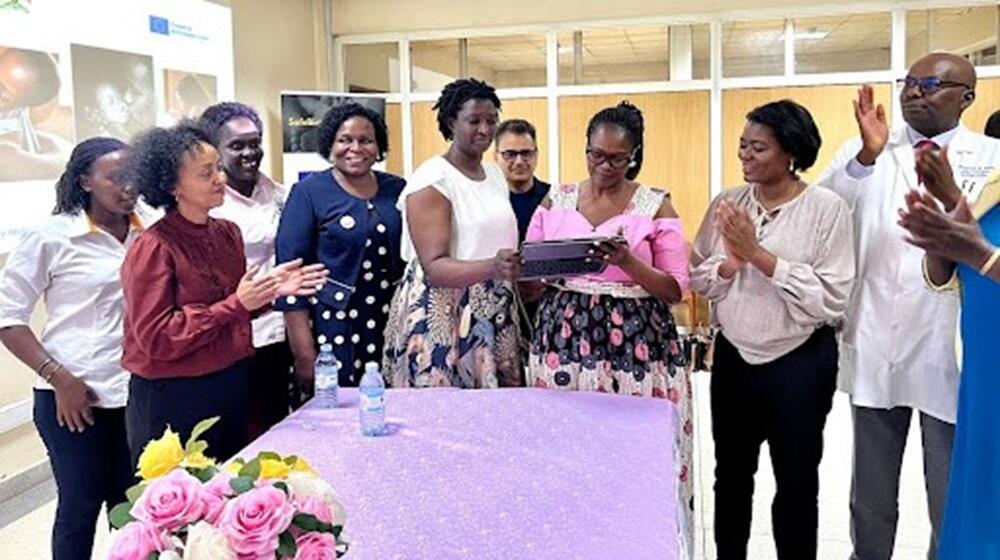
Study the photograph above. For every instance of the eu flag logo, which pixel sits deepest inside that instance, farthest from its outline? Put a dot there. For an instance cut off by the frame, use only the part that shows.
(159, 25)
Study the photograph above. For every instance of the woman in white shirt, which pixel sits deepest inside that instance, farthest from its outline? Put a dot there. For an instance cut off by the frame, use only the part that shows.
(453, 321)
(254, 203)
(73, 261)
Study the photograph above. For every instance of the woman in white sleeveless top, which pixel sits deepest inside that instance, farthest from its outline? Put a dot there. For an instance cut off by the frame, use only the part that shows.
(453, 318)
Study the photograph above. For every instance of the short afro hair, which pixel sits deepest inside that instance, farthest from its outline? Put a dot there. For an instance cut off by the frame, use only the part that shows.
(454, 95)
(993, 125)
(337, 115)
(154, 161)
(213, 118)
(794, 129)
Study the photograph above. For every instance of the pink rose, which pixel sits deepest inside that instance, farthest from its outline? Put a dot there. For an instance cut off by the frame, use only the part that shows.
(642, 352)
(584, 347)
(567, 187)
(317, 507)
(539, 382)
(171, 501)
(253, 520)
(673, 395)
(137, 540)
(552, 360)
(617, 337)
(568, 313)
(315, 546)
(215, 494)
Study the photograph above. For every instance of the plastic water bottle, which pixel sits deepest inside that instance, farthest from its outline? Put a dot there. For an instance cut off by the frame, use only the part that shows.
(327, 378)
(372, 407)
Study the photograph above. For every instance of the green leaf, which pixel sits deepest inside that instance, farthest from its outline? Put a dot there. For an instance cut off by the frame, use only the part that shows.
(121, 515)
(195, 447)
(305, 521)
(251, 469)
(291, 460)
(206, 474)
(134, 492)
(337, 530)
(200, 428)
(268, 455)
(241, 484)
(153, 556)
(286, 545)
(283, 487)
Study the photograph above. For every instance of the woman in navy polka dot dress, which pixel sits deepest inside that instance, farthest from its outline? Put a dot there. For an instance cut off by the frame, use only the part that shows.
(346, 218)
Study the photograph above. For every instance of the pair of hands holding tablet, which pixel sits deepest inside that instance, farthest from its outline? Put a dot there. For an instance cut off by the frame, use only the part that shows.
(561, 258)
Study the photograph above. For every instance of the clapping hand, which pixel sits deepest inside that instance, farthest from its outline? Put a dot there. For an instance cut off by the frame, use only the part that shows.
(872, 124)
(953, 235)
(935, 170)
(297, 280)
(739, 236)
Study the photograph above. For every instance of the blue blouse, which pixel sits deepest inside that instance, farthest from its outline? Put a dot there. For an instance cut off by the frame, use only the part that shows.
(322, 222)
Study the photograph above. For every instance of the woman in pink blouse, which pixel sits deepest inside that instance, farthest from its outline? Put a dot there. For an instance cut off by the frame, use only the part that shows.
(613, 332)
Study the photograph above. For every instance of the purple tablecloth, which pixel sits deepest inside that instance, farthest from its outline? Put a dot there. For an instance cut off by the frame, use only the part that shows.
(497, 474)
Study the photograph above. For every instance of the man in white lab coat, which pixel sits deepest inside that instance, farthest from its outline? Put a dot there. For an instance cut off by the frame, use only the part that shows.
(898, 351)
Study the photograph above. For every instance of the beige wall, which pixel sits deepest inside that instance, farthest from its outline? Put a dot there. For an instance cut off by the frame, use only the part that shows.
(278, 46)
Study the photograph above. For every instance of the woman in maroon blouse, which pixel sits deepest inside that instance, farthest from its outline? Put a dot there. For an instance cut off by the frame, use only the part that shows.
(189, 298)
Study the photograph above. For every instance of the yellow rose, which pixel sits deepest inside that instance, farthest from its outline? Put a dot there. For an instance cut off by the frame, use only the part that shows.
(273, 468)
(301, 465)
(234, 467)
(197, 461)
(161, 456)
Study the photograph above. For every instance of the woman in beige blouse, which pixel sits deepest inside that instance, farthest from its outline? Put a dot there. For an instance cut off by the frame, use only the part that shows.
(775, 257)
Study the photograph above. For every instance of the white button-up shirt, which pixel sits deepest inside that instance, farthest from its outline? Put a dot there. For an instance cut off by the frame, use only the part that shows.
(75, 266)
(257, 217)
(898, 345)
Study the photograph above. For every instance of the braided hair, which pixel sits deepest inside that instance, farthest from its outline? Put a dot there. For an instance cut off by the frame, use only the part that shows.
(214, 117)
(70, 194)
(627, 117)
(455, 94)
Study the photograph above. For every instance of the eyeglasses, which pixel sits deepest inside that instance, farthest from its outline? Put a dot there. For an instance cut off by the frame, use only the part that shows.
(512, 155)
(928, 85)
(616, 161)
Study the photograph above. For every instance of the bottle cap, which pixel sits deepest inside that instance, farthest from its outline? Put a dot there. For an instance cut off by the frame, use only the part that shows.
(326, 348)
(371, 367)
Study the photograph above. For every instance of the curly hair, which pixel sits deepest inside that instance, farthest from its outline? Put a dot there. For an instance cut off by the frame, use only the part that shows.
(213, 118)
(71, 197)
(454, 95)
(629, 118)
(794, 129)
(154, 161)
(338, 115)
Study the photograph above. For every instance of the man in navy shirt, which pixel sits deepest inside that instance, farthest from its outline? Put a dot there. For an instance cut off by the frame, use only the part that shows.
(517, 156)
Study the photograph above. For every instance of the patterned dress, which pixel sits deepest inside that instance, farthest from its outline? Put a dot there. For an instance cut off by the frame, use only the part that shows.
(458, 337)
(604, 332)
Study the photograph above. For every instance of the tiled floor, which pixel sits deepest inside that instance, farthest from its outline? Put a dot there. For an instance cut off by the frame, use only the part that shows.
(27, 537)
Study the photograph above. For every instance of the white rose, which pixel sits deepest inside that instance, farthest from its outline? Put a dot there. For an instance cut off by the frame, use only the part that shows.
(205, 542)
(305, 485)
(170, 555)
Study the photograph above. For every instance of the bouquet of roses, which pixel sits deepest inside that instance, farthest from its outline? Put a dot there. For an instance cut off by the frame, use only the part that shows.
(189, 508)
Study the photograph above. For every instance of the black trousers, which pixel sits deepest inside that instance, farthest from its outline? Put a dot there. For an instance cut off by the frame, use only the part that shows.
(91, 470)
(182, 402)
(270, 379)
(785, 403)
